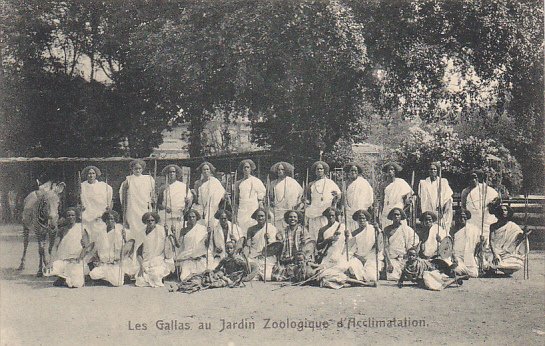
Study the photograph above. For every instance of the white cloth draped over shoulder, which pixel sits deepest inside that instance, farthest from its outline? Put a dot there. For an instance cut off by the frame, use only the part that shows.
(174, 196)
(109, 246)
(257, 245)
(475, 200)
(363, 245)
(140, 190)
(397, 245)
(286, 195)
(393, 198)
(466, 240)
(95, 198)
(336, 253)
(66, 263)
(250, 191)
(431, 244)
(359, 196)
(191, 257)
(155, 266)
(503, 242)
(321, 198)
(216, 248)
(429, 201)
(210, 193)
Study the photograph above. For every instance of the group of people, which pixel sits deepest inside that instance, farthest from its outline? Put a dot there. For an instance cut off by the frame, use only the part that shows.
(322, 233)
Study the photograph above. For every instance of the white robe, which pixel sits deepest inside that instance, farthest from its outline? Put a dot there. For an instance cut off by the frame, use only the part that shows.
(431, 244)
(359, 195)
(250, 191)
(191, 257)
(109, 246)
(210, 194)
(474, 203)
(286, 195)
(393, 198)
(66, 264)
(465, 243)
(502, 240)
(336, 253)
(174, 196)
(321, 198)
(257, 245)
(363, 244)
(398, 244)
(139, 198)
(429, 201)
(155, 266)
(95, 198)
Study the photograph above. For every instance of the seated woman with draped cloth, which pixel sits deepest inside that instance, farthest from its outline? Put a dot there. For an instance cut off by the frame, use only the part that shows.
(507, 243)
(431, 234)
(154, 256)
(398, 239)
(257, 238)
(191, 257)
(222, 232)
(362, 249)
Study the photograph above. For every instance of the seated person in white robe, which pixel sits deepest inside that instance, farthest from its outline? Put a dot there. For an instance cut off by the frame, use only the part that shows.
(396, 194)
(249, 195)
(154, 258)
(358, 194)
(111, 238)
(430, 234)
(398, 239)
(285, 192)
(257, 238)
(222, 232)
(321, 194)
(508, 242)
(191, 253)
(363, 248)
(332, 241)
(174, 198)
(466, 241)
(67, 264)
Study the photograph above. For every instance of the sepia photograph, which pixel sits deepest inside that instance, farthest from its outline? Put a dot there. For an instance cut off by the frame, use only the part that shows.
(272, 172)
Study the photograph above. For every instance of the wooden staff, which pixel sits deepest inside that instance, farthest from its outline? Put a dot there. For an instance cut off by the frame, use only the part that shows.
(439, 208)
(208, 229)
(83, 231)
(267, 201)
(483, 192)
(412, 209)
(375, 225)
(154, 196)
(345, 217)
(526, 274)
(305, 193)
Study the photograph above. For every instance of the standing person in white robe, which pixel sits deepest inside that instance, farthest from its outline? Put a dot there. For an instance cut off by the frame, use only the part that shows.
(249, 195)
(155, 260)
(209, 193)
(66, 264)
(359, 193)
(111, 238)
(508, 242)
(431, 234)
(331, 242)
(223, 231)
(259, 236)
(428, 191)
(174, 197)
(398, 239)
(396, 194)
(137, 195)
(192, 246)
(285, 193)
(96, 198)
(321, 194)
(474, 198)
(466, 240)
(363, 254)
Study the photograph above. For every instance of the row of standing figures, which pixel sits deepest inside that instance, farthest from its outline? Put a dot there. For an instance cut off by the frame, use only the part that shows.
(243, 197)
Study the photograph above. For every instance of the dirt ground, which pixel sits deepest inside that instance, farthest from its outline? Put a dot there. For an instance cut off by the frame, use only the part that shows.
(497, 311)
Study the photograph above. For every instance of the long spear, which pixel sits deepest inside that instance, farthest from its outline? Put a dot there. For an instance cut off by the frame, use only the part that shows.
(439, 207)
(375, 224)
(483, 193)
(345, 218)
(267, 188)
(526, 275)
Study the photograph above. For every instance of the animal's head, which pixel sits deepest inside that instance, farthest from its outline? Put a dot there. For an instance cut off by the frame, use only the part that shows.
(53, 200)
